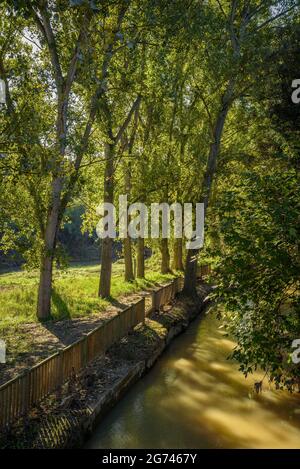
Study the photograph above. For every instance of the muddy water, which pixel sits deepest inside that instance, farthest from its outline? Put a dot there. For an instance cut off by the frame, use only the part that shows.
(195, 398)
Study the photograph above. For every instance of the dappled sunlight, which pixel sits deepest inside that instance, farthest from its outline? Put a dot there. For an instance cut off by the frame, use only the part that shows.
(196, 397)
(75, 292)
(210, 391)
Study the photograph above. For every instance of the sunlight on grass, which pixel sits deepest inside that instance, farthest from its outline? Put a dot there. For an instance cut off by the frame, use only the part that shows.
(74, 292)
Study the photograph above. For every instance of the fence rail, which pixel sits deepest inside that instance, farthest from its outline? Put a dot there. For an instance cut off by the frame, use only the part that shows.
(20, 394)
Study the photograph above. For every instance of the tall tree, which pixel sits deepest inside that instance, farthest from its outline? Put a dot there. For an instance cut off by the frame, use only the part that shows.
(243, 25)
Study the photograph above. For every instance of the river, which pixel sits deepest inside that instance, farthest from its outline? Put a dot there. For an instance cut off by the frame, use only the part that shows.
(195, 398)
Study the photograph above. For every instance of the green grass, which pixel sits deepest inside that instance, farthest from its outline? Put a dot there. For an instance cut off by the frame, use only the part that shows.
(74, 292)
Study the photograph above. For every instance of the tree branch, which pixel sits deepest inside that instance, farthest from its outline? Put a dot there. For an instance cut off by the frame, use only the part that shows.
(222, 9)
(270, 20)
(126, 122)
(44, 25)
(74, 61)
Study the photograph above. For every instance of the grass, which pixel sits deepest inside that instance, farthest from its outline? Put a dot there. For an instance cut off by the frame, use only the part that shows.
(74, 292)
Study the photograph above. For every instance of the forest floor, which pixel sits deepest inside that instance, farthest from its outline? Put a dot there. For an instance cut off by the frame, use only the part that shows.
(76, 311)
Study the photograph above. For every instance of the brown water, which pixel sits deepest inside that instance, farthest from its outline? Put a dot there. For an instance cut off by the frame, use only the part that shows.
(195, 398)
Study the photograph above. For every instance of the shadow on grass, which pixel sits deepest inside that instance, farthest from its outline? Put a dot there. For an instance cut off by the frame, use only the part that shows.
(61, 306)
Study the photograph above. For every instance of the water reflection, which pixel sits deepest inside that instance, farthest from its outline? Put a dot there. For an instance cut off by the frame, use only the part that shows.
(196, 398)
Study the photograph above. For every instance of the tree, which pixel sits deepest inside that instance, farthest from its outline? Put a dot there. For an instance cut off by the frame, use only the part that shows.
(258, 213)
(68, 37)
(245, 27)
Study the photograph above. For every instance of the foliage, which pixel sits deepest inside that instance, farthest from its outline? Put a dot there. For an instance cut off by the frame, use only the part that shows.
(193, 100)
(259, 270)
(254, 230)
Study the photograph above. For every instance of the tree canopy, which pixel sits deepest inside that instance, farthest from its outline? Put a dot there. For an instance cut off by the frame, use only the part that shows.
(183, 101)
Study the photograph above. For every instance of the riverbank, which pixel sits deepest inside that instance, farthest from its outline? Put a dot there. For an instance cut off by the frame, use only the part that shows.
(64, 420)
(80, 311)
(196, 397)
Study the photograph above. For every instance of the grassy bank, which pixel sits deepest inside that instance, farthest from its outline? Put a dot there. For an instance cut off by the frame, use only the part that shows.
(76, 310)
(74, 293)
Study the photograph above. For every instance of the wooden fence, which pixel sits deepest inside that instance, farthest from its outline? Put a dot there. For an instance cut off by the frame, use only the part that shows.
(20, 394)
(164, 295)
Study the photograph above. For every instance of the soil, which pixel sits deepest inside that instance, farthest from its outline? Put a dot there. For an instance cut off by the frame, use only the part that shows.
(30, 343)
(58, 420)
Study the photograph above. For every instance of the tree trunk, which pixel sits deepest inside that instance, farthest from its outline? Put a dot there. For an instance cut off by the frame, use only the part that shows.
(165, 256)
(177, 255)
(128, 260)
(46, 267)
(45, 288)
(140, 258)
(107, 243)
(190, 278)
(190, 274)
(129, 274)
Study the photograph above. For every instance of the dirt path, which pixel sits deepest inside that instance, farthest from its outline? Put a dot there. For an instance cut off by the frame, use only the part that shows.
(30, 343)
